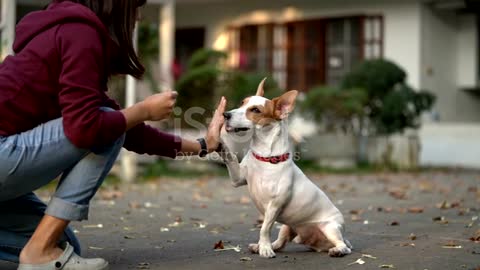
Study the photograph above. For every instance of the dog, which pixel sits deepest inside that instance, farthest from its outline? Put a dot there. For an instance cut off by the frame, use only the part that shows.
(278, 188)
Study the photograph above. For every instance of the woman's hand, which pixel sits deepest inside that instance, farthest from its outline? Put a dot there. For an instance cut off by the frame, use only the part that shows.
(159, 106)
(213, 133)
(154, 108)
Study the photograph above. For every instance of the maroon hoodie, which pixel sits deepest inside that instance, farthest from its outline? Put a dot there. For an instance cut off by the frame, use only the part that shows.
(60, 69)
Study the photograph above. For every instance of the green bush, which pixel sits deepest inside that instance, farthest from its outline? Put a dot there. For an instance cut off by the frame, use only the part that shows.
(373, 98)
(391, 105)
(197, 86)
(333, 107)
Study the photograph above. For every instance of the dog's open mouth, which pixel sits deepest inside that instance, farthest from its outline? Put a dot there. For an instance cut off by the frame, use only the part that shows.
(235, 129)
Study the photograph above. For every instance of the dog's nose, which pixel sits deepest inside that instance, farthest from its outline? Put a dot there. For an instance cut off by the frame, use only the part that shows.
(227, 115)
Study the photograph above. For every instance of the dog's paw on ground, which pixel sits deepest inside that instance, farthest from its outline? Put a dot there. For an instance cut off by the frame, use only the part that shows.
(266, 251)
(339, 251)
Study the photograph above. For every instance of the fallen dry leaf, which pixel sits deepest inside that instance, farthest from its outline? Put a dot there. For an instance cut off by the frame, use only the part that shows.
(386, 209)
(472, 189)
(356, 211)
(440, 219)
(359, 261)
(398, 194)
(394, 223)
(412, 236)
(229, 247)
(245, 259)
(95, 248)
(219, 245)
(476, 237)
(143, 265)
(100, 226)
(369, 256)
(110, 194)
(447, 205)
(134, 205)
(386, 266)
(415, 210)
(356, 218)
(451, 244)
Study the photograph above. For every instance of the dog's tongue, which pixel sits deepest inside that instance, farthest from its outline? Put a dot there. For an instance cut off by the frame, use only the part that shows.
(229, 128)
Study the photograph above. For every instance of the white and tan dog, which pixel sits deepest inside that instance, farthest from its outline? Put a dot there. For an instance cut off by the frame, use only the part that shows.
(279, 189)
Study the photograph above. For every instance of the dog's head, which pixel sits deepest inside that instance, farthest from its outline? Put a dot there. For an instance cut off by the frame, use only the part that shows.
(257, 112)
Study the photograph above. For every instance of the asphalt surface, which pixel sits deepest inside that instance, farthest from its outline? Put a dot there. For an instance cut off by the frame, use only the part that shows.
(406, 221)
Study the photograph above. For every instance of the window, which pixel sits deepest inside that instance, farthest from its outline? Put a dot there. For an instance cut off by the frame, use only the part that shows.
(304, 54)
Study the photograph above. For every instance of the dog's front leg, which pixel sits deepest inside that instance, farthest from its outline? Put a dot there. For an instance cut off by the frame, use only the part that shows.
(237, 174)
(264, 246)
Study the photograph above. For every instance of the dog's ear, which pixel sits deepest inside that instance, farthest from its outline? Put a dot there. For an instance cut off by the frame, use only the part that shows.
(284, 104)
(260, 91)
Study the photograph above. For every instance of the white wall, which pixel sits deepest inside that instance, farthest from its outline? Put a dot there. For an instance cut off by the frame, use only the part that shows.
(401, 18)
(448, 58)
(467, 49)
(450, 144)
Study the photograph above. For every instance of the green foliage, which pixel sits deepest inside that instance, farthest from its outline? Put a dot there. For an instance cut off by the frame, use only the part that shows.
(374, 95)
(391, 105)
(196, 87)
(205, 57)
(328, 102)
(376, 77)
(401, 109)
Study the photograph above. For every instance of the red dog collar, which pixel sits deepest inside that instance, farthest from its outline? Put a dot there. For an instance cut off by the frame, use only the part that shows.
(274, 159)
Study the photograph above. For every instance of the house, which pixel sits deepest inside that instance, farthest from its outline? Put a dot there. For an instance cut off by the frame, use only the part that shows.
(303, 43)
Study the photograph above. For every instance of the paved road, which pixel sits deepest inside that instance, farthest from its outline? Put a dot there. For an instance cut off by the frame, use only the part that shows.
(174, 224)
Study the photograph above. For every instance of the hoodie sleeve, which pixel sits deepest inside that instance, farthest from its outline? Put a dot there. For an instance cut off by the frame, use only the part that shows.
(145, 139)
(81, 84)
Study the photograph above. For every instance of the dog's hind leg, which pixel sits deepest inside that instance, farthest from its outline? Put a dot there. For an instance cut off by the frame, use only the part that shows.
(285, 235)
(333, 232)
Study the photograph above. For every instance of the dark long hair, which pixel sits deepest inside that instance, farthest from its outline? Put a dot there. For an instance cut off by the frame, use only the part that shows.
(119, 16)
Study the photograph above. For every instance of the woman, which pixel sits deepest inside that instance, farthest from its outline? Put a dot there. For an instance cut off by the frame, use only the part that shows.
(55, 118)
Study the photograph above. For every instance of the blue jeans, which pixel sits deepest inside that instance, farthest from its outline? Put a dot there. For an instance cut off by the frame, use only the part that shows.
(34, 158)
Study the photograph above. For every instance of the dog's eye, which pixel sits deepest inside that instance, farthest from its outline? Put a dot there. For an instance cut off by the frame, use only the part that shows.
(255, 110)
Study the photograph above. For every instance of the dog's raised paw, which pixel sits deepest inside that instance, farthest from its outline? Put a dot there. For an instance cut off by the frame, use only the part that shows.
(339, 251)
(253, 248)
(266, 251)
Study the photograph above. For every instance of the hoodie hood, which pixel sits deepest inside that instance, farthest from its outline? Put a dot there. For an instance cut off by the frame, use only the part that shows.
(58, 12)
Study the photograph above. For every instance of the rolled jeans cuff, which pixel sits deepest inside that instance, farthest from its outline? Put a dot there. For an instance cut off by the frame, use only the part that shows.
(66, 210)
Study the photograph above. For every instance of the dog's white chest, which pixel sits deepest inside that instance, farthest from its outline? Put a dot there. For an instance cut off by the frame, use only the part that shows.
(266, 184)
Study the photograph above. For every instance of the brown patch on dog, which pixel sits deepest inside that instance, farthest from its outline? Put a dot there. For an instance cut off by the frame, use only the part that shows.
(244, 102)
(262, 115)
